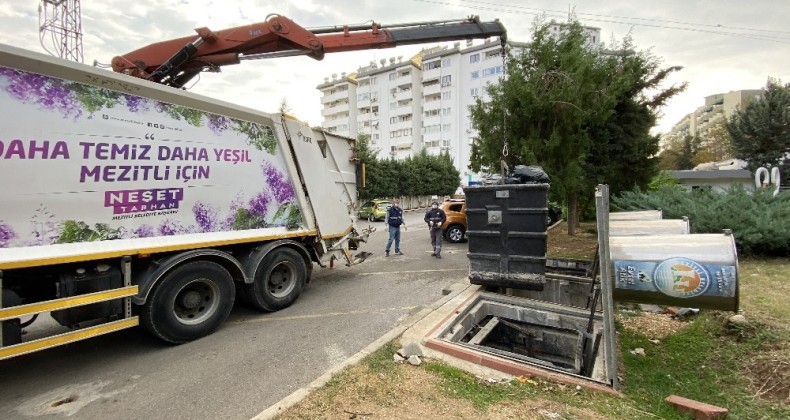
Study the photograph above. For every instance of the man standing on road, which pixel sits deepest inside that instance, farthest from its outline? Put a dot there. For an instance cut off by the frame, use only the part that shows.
(435, 218)
(394, 219)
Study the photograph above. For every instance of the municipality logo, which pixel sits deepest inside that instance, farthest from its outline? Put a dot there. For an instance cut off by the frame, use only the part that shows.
(681, 278)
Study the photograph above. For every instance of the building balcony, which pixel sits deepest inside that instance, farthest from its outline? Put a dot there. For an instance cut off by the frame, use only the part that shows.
(431, 137)
(432, 120)
(337, 109)
(334, 97)
(431, 89)
(404, 94)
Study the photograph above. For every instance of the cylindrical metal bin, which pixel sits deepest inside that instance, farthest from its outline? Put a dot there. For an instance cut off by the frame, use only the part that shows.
(693, 271)
(637, 215)
(649, 227)
(506, 227)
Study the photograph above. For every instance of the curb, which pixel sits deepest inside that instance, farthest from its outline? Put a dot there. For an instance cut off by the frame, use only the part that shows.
(301, 393)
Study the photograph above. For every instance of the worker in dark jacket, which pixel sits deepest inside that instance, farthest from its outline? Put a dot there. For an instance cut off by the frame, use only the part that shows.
(394, 220)
(435, 219)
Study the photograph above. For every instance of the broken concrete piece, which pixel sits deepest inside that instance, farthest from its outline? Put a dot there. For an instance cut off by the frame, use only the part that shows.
(639, 351)
(738, 320)
(645, 307)
(415, 360)
(397, 358)
(685, 313)
(411, 349)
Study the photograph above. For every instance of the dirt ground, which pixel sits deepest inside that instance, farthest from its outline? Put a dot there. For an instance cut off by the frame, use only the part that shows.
(410, 392)
(580, 246)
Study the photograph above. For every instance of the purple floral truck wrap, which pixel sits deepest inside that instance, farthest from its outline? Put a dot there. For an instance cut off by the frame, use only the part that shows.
(83, 163)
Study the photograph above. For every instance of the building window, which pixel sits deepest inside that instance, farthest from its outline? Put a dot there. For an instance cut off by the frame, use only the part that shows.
(372, 80)
(433, 65)
(475, 92)
(432, 129)
(492, 54)
(446, 62)
(446, 95)
(393, 120)
(445, 127)
(476, 74)
(493, 70)
(474, 58)
(445, 111)
(447, 80)
(393, 75)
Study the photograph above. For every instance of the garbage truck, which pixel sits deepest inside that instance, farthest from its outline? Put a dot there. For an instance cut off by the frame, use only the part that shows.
(128, 201)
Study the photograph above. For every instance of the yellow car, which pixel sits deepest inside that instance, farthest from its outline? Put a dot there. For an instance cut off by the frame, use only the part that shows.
(374, 210)
(455, 227)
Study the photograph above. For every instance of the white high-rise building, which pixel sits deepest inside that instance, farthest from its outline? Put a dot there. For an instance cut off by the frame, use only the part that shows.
(407, 105)
(704, 119)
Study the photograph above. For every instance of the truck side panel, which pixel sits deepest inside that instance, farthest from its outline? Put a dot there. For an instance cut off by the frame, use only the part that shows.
(93, 164)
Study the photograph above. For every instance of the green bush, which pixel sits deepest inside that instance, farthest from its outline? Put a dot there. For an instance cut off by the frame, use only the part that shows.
(759, 221)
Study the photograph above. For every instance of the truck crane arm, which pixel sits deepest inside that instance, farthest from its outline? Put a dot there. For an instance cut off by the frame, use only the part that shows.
(177, 61)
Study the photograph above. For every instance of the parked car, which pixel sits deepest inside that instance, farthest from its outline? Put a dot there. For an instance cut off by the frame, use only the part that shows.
(454, 229)
(374, 210)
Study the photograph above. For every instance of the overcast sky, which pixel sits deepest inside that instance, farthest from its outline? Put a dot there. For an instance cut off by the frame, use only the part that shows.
(723, 45)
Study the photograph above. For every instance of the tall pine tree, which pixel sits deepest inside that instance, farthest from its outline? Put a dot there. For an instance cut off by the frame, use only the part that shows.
(581, 113)
(761, 131)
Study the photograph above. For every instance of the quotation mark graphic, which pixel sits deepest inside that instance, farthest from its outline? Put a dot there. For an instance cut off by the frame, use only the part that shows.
(149, 136)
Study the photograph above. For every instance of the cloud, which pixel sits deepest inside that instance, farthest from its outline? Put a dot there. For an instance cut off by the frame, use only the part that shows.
(713, 61)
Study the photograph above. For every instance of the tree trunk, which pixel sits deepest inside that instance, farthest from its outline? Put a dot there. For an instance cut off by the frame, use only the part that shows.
(573, 217)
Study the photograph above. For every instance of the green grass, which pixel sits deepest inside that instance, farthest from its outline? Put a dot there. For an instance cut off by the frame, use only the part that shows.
(458, 383)
(765, 288)
(380, 361)
(708, 360)
(701, 362)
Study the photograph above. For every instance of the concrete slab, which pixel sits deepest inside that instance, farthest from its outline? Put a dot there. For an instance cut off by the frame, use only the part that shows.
(425, 333)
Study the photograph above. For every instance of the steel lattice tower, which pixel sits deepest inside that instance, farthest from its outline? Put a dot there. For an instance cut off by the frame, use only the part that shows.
(60, 28)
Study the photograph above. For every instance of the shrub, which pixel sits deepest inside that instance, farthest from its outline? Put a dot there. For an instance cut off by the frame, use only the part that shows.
(759, 221)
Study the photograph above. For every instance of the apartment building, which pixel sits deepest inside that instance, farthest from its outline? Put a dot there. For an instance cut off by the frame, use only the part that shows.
(407, 105)
(421, 103)
(703, 120)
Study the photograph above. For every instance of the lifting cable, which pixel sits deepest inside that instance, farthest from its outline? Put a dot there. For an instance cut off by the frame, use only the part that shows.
(503, 163)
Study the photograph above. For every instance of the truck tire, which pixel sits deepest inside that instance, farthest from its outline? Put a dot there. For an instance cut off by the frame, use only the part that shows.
(189, 302)
(278, 281)
(455, 234)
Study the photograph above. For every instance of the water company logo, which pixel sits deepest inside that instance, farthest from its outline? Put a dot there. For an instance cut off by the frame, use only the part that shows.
(681, 277)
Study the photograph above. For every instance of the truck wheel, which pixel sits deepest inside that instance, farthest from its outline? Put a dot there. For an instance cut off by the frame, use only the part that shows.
(189, 302)
(455, 234)
(279, 280)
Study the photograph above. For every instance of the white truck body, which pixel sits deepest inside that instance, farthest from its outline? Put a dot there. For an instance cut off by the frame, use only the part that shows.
(100, 167)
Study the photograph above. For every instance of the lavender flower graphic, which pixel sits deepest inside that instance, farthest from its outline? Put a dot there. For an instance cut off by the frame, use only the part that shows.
(206, 217)
(281, 187)
(6, 234)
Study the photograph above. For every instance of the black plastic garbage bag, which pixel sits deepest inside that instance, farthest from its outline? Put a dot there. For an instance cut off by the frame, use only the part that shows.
(524, 174)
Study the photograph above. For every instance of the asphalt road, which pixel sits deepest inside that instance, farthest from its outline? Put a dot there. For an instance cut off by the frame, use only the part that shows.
(252, 361)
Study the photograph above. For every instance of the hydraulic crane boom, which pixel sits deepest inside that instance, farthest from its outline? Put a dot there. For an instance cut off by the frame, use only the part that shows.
(177, 61)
